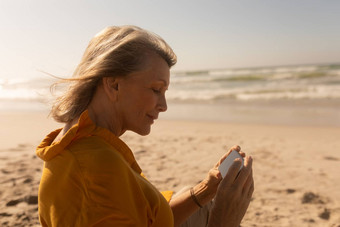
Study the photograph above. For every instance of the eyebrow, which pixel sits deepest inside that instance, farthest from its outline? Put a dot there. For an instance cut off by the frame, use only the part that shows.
(163, 81)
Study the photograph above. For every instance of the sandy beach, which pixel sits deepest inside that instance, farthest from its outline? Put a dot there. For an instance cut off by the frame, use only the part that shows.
(296, 167)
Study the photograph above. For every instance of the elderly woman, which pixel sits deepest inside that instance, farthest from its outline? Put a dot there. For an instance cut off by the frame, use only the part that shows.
(91, 177)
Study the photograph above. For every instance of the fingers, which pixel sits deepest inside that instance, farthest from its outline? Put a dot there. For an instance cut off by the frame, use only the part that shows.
(236, 148)
(223, 158)
(245, 172)
(242, 154)
(232, 172)
(251, 190)
(215, 173)
(248, 187)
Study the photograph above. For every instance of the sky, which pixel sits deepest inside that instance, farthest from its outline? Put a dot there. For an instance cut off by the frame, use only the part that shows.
(51, 36)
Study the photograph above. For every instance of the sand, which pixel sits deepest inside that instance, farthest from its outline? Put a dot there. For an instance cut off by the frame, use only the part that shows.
(296, 168)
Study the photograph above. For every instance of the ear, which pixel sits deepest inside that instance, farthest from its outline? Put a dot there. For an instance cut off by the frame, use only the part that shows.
(111, 86)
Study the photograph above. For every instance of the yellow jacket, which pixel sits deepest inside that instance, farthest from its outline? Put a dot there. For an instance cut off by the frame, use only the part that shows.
(91, 178)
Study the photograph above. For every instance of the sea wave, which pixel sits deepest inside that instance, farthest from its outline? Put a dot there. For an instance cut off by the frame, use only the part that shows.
(283, 82)
(25, 89)
(311, 92)
(272, 73)
(293, 82)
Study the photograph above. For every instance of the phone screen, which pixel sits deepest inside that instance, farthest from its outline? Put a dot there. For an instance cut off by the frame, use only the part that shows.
(225, 165)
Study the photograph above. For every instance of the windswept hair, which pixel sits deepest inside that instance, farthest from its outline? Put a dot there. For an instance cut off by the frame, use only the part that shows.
(113, 52)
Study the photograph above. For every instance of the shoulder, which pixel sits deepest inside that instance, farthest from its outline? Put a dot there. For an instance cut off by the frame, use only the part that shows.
(95, 153)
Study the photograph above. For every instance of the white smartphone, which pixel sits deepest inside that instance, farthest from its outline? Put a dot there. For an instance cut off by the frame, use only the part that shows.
(225, 165)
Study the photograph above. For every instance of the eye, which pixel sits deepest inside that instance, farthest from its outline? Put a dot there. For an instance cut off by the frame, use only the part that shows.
(155, 90)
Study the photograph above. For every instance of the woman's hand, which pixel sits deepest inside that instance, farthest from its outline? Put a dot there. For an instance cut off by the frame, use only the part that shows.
(183, 205)
(233, 195)
(209, 185)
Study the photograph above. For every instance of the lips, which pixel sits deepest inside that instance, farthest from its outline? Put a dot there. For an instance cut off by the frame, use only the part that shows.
(152, 117)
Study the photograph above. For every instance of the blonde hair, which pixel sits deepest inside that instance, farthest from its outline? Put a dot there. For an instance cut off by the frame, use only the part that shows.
(113, 52)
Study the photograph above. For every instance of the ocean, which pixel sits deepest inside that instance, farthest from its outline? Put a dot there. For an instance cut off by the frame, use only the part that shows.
(283, 82)
(192, 93)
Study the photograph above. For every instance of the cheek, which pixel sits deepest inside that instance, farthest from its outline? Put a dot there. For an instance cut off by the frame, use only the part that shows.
(138, 106)
(139, 102)
(146, 101)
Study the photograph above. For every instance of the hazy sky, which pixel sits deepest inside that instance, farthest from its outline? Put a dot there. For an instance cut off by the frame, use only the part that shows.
(52, 35)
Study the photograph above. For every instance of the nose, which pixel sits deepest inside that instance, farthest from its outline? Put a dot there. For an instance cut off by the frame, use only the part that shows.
(162, 106)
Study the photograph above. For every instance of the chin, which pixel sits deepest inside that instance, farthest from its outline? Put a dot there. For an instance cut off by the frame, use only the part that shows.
(143, 131)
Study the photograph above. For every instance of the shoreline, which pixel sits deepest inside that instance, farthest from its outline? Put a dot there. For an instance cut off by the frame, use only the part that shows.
(305, 112)
(302, 112)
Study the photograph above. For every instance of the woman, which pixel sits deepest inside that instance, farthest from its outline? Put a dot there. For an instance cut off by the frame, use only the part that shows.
(90, 176)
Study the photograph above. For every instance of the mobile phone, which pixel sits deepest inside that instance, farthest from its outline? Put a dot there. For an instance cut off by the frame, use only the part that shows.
(225, 165)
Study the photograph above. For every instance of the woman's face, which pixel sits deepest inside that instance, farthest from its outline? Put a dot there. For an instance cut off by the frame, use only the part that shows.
(141, 95)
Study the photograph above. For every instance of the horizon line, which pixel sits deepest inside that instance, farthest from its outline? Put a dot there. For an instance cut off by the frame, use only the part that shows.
(255, 67)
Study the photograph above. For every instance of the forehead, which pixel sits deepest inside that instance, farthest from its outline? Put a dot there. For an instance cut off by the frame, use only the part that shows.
(154, 69)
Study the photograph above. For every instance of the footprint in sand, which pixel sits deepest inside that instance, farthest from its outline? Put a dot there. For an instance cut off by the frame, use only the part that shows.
(6, 171)
(27, 180)
(325, 214)
(310, 220)
(13, 202)
(330, 158)
(30, 199)
(290, 190)
(312, 198)
(4, 214)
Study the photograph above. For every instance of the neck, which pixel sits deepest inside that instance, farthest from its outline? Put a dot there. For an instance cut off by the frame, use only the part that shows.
(104, 114)
(66, 128)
